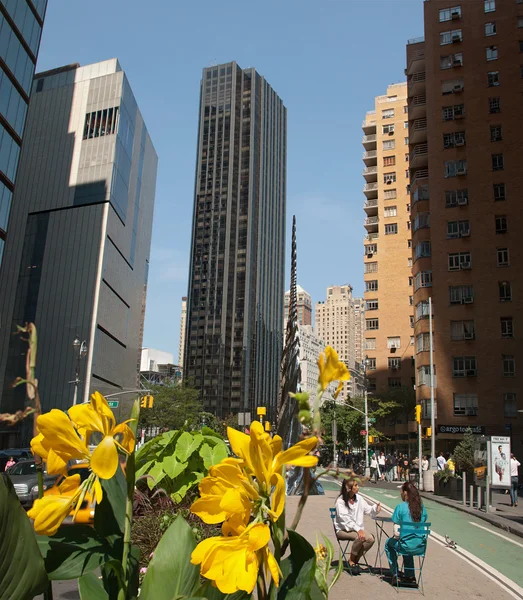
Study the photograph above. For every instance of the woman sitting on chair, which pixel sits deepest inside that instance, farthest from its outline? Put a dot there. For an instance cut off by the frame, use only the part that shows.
(350, 509)
(411, 543)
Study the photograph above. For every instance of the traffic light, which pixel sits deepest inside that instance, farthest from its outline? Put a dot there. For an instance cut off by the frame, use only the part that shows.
(267, 426)
(418, 413)
(147, 401)
(371, 439)
(429, 431)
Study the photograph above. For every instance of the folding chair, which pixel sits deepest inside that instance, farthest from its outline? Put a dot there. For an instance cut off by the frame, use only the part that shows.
(341, 543)
(408, 529)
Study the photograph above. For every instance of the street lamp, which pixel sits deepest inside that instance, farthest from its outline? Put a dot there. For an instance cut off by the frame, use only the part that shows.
(80, 350)
(365, 408)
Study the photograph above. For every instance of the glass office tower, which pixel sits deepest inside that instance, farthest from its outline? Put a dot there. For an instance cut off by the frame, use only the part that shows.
(236, 280)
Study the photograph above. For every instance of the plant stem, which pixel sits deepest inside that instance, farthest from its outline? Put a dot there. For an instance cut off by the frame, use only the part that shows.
(261, 588)
(301, 506)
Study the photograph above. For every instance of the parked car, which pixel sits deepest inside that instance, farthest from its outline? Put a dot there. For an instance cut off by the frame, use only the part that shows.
(25, 481)
(16, 453)
(86, 512)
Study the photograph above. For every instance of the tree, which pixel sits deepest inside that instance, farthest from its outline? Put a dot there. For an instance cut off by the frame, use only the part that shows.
(464, 452)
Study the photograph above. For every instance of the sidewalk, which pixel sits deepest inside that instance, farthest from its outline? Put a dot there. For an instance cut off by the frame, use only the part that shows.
(503, 515)
(444, 571)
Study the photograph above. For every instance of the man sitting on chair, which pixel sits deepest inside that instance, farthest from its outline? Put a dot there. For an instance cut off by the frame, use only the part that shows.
(350, 509)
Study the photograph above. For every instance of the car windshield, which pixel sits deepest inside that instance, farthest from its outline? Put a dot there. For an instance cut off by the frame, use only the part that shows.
(23, 468)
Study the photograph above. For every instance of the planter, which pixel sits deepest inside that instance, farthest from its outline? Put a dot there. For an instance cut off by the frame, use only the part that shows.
(455, 488)
(441, 487)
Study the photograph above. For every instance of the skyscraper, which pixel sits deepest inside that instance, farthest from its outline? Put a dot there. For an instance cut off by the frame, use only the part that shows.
(183, 328)
(303, 304)
(387, 244)
(76, 260)
(236, 280)
(21, 23)
(464, 87)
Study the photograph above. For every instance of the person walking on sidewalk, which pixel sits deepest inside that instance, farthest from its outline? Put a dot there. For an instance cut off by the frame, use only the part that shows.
(514, 480)
(374, 472)
(350, 509)
(442, 463)
(381, 464)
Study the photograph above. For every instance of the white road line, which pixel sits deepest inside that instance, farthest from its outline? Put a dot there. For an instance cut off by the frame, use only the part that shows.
(496, 533)
(504, 582)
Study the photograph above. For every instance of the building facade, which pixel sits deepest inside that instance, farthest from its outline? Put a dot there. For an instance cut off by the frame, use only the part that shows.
(21, 23)
(76, 260)
(183, 328)
(157, 368)
(464, 87)
(311, 346)
(236, 280)
(151, 358)
(303, 305)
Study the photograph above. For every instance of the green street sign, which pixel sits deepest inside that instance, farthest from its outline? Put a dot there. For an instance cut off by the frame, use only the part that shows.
(112, 403)
(372, 419)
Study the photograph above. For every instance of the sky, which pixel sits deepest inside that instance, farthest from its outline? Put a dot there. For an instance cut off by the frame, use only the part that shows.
(326, 59)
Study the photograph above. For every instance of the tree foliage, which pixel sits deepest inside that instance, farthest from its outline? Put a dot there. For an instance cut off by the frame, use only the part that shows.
(464, 452)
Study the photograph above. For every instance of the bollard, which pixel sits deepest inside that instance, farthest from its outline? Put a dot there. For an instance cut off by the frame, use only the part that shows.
(464, 488)
(479, 497)
(471, 489)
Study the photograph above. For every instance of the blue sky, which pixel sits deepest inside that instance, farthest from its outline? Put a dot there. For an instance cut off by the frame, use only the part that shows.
(326, 59)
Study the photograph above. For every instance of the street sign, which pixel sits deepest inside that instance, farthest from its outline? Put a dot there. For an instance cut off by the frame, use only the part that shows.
(113, 403)
(372, 419)
(363, 432)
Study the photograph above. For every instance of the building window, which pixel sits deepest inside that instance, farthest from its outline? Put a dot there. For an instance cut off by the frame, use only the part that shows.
(462, 330)
(406, 140)
(389, 194)
(422, 221)
(100, 123)
(409, 261)
(501, 224)
(371, 267)
(409, 243)
(499, 191)
(389, 161)
(454, 168)
(390, 211)
(509, 405)
(497, 162)
(371, 286)
(490, 29)
(394, 382)
(450, 61)
(391, 229)
(422, 310)
(394, 342)
(520, 22)
(493, 78)
(424, 375)
(453, 112)
(370, 343)
(464, 366)
(388, 129)
(492, 53)
(422, 279)
(411, 319)
(423, 342)
(456, 198)
(449, 14)
(509, 365)
(389, 144)
(394, 363)
(387, 113)
(505, 291)
(494, 105)
(406, 157)
(371, 305)
(490, 6)
(507, 327)
(496, 133)
(459, 261)
(422, 249)
(456, 229)
(451, 140)
(411, 279)
(503, 257)
(411, 300)
(372, 324)
(465, 405)
(371, 364)
(461, 294)
(449, 37)
(389, 178)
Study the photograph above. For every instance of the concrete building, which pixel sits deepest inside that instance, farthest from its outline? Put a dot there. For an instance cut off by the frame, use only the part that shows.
(387, 244)
(359, 330)
(464, 87)
(183, 328)
(76, 260)
(311, 346)
(303, 304)
(157, 367)
(21, 23)
(151, 358)
(236, 280)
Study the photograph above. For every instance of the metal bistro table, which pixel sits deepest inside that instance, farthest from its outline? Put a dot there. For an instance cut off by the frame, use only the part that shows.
(380, 530)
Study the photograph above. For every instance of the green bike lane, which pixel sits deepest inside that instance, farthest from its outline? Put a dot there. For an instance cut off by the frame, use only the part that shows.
(495, 547)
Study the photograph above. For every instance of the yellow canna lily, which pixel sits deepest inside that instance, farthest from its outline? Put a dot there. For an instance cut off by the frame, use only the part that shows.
(332, 369)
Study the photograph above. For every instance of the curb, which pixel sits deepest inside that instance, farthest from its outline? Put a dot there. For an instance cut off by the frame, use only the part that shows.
(497, 521)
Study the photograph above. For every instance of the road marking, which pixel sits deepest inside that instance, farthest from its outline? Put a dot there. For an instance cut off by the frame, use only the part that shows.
(512, 588)
(496, 533)
(390, 496)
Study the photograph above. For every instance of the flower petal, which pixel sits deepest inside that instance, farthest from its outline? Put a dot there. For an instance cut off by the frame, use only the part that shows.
(98, 493)
(128, 440)
(55, 464)
(104, 460)
(59, 433)
(209, 509)
(240, 444)
(278, 496)
(274, 568)
(99, 404)
(69, 485)
(294, 453)
(85, 418)
(37, 448)
(49, 512)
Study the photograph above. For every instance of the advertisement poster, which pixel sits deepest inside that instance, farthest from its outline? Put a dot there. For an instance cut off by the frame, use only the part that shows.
(500, 461)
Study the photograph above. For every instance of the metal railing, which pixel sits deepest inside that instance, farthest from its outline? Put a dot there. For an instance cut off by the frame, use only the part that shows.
(368, 138)
(371, 220)
(416, 40)
(370, 187)
(419, 100)
(370, 154)
(371, 203)
(419, 124)
(419, 174)
(370, 170)
(419, 150)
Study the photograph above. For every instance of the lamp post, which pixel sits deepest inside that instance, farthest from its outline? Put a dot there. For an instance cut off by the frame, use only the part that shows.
(365, 408)
(80, 350)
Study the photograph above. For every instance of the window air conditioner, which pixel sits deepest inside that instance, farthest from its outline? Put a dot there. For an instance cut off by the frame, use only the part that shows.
(394, 367)
(463, 201)
(460, 142)
(464, 265)
(391, 132)
(468, 335)
(472, 412)
(388, 182)
(458, 88)
(468, 299)
(456, 62)
(456, 38)
(455, 15)
(461, 171)
(465, 233)
(458, 115)
(471, 372)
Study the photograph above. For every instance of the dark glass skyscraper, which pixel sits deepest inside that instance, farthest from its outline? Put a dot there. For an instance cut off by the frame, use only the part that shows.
(21, 24)
(236, 280)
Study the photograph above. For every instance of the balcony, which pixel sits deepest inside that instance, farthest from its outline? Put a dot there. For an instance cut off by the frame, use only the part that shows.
(419, 157)
(370, 158)
(371, 224)
(369, 125)
(370, 237)
(418, 131)
(416, 62)
(417, 107)
(369, 141)
(370, 190)
(416, 83)
(418, 175)
(371, 207)
(370, 174)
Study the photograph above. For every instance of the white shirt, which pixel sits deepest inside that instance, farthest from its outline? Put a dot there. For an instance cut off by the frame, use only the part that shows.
(514, 464)
(350, 518)
(441, 463)
(425, 465)
(381, 460)
(373, 462)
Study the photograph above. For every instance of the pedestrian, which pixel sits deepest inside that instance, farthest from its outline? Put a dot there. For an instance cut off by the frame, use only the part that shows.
(514, 480)
(381, 464)
(425, 464)
(394, 462)
(388, 467)
(374, 468)
(410, 510)
(400, 466)
(451, 465)
(9, 463)
(442, 463)
(405, 466)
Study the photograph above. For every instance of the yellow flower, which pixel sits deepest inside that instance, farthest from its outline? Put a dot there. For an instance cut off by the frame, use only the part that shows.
(233, 562)
(321, 551)
(98, 417)
(332, 369)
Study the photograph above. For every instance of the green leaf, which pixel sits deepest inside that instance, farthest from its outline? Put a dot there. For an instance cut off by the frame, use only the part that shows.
(156, 475)
(210, 592)
(182, 485)
(73, 551)
(170, 571)
(187, 444)
(91, 588)
(109, 515)
(22, 570)
(212, 456)
(302, 562)
(172, 467)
